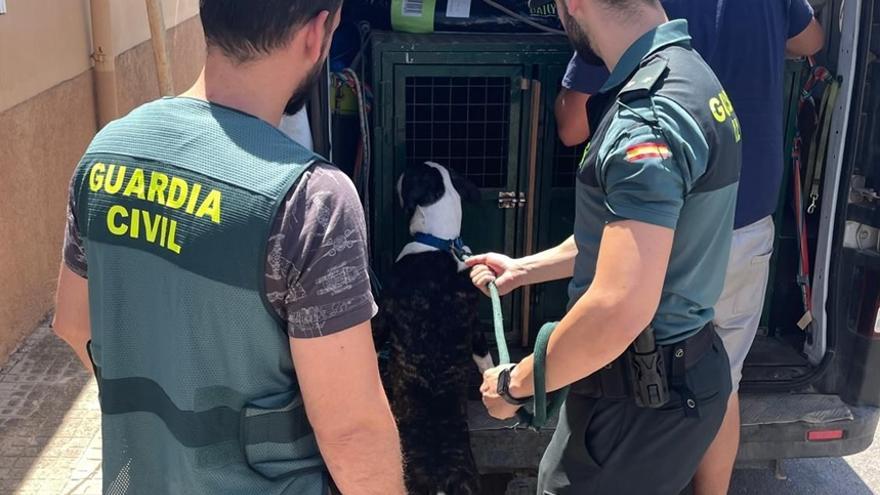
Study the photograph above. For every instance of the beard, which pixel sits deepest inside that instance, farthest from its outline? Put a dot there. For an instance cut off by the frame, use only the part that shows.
(301, 95)
(578, 38)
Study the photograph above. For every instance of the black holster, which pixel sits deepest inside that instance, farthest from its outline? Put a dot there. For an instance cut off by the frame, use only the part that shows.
(647, 371)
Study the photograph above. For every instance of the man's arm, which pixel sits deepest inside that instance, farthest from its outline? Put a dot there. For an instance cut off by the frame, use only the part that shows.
(620, 303)
(71, 320)
(509, 274)
(579, 82)
(333, 355)
(808, 42)
(347, 407)
(571, 117)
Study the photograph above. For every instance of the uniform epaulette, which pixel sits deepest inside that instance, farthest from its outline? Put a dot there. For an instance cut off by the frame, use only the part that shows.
(644, 80)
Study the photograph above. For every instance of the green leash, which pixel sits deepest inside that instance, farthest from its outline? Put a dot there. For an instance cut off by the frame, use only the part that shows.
(545, 406)
(498, 322)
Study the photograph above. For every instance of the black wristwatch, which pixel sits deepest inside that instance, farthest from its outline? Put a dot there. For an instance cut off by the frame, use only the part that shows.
(504, 389)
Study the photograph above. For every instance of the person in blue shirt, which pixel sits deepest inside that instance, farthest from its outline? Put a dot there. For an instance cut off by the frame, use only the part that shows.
(745, 42)
(583, 78)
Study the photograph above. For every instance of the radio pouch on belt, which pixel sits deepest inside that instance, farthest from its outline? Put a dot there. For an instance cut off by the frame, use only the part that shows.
(648, 372)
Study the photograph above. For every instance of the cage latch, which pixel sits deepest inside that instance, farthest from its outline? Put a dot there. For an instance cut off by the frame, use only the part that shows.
(511, 199)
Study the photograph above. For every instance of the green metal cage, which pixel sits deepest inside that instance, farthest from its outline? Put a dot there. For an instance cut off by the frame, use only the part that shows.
(482, 105)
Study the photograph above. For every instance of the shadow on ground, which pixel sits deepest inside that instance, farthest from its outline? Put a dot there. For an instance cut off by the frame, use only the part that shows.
(39, 388)
(803, 477)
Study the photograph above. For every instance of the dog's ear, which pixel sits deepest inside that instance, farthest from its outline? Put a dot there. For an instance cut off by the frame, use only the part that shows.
(421, 185)
(468, 191)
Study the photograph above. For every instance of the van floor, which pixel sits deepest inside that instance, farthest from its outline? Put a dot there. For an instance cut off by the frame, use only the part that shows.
(774, 359)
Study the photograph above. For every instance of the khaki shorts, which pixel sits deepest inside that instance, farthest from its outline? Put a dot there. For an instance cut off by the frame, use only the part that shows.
(738, 312)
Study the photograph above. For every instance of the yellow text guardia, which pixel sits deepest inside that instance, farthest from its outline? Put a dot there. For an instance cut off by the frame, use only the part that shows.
(155, 187)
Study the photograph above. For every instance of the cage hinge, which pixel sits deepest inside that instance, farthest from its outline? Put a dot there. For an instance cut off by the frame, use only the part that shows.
(511, 199)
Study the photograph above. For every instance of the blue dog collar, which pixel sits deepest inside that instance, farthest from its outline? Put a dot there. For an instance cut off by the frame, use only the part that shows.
(454, 246)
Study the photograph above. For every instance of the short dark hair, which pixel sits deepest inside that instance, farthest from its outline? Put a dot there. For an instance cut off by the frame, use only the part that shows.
(247, 29)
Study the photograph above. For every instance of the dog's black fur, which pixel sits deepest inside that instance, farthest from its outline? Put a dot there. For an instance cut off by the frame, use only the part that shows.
(430, 316)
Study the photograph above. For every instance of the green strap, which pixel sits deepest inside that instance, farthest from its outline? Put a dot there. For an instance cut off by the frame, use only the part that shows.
(812, 154)
(498, 322)
(542, 408)
(828, 102)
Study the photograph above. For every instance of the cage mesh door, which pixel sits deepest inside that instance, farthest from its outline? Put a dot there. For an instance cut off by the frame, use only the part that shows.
(462, 123)
(565, 163)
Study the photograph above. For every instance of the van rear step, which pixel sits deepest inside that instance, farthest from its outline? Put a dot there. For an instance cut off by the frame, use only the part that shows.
(818, 426)
(792, 408)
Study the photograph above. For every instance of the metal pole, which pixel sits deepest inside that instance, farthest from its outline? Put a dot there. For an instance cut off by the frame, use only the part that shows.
(105, 62)
(160, 48)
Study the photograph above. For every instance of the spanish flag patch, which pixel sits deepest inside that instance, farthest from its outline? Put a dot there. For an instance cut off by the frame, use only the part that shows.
(647, 151)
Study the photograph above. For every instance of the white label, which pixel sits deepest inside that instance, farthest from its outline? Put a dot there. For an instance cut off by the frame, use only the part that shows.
(458, 8)
(805, 320)
(412, 8)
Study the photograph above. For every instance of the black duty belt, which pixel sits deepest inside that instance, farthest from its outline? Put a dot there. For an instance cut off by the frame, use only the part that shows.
(615, 381)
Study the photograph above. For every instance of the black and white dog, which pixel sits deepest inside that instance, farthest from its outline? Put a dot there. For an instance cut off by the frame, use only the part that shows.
(430, 316)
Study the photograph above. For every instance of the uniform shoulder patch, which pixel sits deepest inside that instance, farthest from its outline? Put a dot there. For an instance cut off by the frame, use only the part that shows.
(647, 151)
(643, 81)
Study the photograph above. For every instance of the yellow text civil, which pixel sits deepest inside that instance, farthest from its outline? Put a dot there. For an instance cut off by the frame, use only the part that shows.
(155, 187)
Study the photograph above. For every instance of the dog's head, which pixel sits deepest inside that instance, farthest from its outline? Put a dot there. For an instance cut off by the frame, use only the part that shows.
(431, 196)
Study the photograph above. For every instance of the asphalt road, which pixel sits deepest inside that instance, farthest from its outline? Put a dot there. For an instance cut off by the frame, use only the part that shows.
(853, 475)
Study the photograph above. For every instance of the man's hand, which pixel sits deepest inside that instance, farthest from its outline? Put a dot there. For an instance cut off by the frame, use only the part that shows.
(497, 407)
(506, 272)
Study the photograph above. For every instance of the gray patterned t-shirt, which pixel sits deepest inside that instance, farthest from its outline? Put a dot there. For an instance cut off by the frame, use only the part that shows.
(316, 267)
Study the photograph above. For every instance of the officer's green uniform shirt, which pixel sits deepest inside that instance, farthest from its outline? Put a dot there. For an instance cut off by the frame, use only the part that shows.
(665, 151)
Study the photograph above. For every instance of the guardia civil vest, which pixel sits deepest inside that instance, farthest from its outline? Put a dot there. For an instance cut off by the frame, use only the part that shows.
(197, 387)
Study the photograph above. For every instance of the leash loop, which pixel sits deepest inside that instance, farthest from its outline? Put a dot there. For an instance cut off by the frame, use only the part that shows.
(544, 405)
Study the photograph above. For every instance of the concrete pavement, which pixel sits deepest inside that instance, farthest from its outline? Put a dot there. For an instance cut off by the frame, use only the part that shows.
(50, 440)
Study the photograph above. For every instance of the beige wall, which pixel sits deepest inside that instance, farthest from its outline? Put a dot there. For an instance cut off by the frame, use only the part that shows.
(42, 43)
(48, 117)
(133, 13)
(45, 42)
(136, 81)
(42, 139)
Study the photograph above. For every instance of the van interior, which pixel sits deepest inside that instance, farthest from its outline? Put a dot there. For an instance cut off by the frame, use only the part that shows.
(471, 84)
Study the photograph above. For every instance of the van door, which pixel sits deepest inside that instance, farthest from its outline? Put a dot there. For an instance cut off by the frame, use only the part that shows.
(854, 280)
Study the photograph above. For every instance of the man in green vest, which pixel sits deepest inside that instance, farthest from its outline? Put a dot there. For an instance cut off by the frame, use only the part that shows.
(215, 279)
(655, 197)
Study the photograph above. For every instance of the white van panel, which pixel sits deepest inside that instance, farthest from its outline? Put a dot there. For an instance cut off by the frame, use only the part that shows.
(849, 21)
